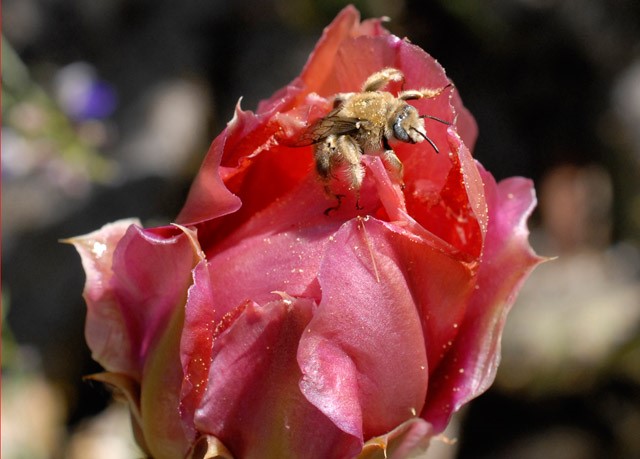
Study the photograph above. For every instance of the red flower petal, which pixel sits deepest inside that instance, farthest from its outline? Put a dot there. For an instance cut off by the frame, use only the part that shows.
(105, 328)
(470, 365)
(200, 323)
(129, 303)
(134, 318)
(252, 403)
(149, 292)
(363, 355)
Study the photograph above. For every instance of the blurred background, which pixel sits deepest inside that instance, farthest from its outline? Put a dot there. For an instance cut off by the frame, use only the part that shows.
(108, 108)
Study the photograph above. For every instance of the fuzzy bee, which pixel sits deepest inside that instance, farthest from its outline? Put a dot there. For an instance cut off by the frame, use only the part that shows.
(364, 123)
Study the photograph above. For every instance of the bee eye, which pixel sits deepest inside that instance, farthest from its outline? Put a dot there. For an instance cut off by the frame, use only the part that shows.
(399, 131)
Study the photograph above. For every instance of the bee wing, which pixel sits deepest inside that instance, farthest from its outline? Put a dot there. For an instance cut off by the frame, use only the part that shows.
(332, 124)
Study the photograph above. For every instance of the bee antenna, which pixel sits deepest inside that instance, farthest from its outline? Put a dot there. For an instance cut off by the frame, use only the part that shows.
(440, 120)
(427, 139)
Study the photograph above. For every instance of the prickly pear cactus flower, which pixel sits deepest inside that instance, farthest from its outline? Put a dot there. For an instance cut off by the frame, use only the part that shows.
(320, 299)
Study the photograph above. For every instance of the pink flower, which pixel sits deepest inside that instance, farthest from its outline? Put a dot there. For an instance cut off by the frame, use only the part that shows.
(258, 326)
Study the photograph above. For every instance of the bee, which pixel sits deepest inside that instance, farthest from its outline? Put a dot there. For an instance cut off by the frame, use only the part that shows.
(364, 123)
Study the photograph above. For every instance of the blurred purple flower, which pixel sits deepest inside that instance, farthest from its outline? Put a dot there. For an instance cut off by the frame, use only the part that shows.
(82, 95)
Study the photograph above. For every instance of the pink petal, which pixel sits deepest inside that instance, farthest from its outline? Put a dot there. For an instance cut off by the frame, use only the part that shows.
(363, 356)
(278, 249)
(105, 328)
(151, 273)
(440, 284)
(255, 168)
(208, 197)
(259, 262)
(391, 197)
(135, 293)
(199, 330)
(470, 365)
(252, 403)
(320, 73)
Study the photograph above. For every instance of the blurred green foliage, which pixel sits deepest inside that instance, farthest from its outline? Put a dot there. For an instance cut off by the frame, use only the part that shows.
(32, 114)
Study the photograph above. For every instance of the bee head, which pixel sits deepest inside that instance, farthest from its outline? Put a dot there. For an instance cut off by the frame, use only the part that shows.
(408, 126)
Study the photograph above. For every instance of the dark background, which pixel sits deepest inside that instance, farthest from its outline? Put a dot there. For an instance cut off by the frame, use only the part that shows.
(554, 86)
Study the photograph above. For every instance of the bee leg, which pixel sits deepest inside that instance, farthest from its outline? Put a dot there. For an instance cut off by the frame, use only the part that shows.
(413, 94)
(327, 159)
(351, 155)
(410, 94)
(339, 153)
(322, 154)
(393, 165)
(381, 78)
